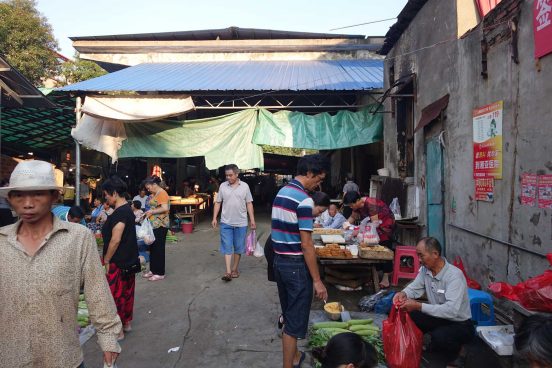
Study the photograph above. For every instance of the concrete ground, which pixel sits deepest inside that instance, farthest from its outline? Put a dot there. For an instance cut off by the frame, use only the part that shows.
(214, 323)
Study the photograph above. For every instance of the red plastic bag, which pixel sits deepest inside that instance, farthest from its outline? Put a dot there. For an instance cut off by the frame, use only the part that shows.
(534, 293)
(472, 284)
(402, 340)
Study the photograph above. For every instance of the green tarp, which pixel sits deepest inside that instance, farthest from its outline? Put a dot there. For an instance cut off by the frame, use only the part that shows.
(222, 140)
(236, 138)
(320, 131)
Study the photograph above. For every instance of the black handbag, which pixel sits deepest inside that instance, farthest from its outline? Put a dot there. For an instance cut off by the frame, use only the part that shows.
(131, 269)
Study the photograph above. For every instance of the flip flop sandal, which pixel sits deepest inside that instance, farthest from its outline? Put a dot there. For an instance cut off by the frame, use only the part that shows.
(298, 365)
(235, 274)
(227, 277)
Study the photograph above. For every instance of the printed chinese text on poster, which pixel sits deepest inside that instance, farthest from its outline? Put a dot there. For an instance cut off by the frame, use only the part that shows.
(545, 191)
(528, 189)
(542, 27)
(487, 141)
(484, 189)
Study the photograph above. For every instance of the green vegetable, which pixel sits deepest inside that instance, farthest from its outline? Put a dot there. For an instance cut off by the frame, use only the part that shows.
(363, 327)
(330, 325)
(332, 330)
(367, 332)
(354, 322)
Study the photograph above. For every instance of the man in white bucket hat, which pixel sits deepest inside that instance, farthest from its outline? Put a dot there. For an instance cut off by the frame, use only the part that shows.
(45, 262)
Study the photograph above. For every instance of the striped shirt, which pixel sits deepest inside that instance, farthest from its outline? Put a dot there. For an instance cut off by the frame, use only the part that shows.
(291, 213)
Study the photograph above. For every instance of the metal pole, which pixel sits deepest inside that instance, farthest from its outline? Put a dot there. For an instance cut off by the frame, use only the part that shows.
(77, 155)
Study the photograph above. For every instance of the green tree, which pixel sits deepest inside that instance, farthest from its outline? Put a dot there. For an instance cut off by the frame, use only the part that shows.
(27, 40)
(79, 70)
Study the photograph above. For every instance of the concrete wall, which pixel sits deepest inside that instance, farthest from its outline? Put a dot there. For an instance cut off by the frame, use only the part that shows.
(455, 67)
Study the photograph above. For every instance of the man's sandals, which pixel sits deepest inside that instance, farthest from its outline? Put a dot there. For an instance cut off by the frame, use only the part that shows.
(230, 276)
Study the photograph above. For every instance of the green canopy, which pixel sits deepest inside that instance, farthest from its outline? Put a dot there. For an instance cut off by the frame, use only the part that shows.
(236, 138)
(321, 131)
(222, 140)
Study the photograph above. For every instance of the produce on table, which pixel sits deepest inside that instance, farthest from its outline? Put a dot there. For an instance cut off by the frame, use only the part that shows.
(322, 332)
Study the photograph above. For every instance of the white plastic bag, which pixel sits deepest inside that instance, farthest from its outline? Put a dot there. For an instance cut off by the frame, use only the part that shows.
(259, 250)
(395, 208)
(370, 235)
(145, 232)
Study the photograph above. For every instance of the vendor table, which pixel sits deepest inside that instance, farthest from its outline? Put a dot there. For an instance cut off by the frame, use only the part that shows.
(189, 207)
(370, 264)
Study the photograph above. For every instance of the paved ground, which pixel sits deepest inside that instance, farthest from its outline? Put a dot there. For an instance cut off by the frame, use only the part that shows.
(215, 324)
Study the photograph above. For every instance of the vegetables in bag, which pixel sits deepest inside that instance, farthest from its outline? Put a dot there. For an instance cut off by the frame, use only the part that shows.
(145, 232)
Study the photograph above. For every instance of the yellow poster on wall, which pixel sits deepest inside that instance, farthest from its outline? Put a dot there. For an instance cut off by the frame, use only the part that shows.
(487, 141)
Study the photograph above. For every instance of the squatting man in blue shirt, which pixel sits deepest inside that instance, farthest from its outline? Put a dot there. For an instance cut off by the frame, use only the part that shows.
(446, 317)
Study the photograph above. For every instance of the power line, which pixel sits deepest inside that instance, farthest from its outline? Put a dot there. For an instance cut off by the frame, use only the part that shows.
(363, 24)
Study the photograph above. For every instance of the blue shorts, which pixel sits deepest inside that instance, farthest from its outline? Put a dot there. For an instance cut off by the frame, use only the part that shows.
(232, 239)
(295, 292)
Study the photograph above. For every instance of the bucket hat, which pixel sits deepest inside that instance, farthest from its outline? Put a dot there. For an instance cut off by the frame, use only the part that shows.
(31, 175)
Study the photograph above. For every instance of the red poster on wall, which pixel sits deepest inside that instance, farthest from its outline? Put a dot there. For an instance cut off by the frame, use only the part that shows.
(545, 191)
(528, 189)
(542, 27)
(484, 189)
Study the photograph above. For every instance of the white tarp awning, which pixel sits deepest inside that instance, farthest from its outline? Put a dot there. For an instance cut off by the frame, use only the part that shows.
(102, 126)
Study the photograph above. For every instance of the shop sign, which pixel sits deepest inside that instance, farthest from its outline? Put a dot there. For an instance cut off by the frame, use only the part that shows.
(528, 189)
(487, 141)
(545, 191)
(484, 189)
(542, 27)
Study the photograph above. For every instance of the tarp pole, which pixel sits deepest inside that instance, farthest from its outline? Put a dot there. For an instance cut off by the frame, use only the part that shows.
(77, 154)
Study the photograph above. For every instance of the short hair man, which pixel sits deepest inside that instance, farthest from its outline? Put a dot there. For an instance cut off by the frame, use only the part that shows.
(295, 266)
(350, 185)
(237, 202)
(46, 261)
(73, 214)
(330, 219)
(447, 316)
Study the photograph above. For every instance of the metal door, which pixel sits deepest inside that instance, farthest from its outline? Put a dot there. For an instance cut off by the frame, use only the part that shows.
(435, 190)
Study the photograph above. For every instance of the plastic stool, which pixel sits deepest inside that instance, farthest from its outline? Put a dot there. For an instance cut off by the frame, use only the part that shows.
(398, 271)
(479, 298)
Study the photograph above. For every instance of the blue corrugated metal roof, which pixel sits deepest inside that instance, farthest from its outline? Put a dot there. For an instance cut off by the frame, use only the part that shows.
(315, 75)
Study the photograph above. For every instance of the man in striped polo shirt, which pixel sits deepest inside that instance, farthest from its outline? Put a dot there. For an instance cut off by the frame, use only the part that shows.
(295, 266)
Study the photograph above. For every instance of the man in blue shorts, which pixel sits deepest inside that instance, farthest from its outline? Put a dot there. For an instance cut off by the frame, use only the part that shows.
(236, 201)
(295, 267)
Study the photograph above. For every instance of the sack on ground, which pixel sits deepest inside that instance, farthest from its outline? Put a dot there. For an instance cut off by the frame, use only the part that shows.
(259, 250)
(250, 243)
(402, 340)
(383, 306)
(145, 232)
(368, 302)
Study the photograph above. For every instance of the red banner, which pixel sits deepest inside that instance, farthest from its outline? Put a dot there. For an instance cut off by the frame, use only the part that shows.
(542, 27)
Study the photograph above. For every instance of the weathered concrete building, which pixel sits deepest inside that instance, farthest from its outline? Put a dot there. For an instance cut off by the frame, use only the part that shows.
(443, 61)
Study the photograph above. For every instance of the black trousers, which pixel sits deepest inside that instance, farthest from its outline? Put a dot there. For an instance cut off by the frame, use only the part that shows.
(157, 251)
(447, 337)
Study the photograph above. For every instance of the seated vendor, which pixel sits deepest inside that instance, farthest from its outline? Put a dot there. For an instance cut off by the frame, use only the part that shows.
(446, 317)
(73, 214)
(330, 219)
(376, 209)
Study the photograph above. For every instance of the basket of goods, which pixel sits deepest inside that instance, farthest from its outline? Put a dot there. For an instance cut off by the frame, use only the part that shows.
(322, 231)
(333, 251)
(375, 252)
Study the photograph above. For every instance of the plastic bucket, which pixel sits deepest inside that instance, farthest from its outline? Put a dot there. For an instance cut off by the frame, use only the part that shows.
(187, 227)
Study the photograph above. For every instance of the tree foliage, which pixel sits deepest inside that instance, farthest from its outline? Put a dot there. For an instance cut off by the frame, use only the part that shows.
(79, 70)
(27, 40)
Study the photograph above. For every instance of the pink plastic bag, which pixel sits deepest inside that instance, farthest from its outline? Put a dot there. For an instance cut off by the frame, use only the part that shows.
(250, 243)
(402, 340)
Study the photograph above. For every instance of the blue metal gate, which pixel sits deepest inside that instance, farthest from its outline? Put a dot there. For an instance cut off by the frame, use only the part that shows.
(435, 190)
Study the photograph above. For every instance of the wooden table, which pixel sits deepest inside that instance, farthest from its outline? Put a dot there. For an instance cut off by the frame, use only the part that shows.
(190, 208)
(369, 263)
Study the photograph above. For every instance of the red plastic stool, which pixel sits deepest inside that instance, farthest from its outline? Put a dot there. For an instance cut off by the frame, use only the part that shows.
(400, 272)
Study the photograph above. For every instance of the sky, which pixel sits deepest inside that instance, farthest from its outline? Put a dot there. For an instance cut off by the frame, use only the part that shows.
(107, 17)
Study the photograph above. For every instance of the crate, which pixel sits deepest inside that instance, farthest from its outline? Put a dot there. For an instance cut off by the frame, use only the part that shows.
(500, 348)
(367, 252)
